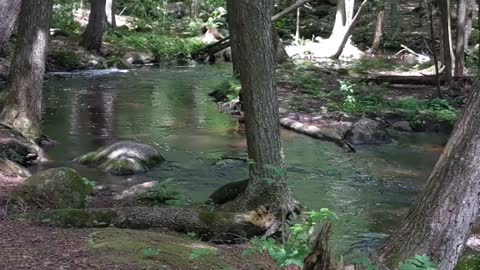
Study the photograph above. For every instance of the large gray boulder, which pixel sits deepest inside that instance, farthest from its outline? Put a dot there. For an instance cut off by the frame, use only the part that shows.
(123, 158)
(367, 131)
(54, 188)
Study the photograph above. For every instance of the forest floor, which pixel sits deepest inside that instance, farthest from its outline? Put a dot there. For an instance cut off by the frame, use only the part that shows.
(25, 246)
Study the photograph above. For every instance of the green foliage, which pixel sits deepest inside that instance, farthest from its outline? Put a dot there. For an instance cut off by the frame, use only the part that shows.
(63, 17)
(163, 194)
(227, 90)
(65, 58)
(162, 46)
(294, 250)
(310, 83)
(419, 262)
(275, 172)
(357, 100)
(200, 252)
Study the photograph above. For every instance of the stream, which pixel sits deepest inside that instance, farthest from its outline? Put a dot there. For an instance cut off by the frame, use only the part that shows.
(169, 108)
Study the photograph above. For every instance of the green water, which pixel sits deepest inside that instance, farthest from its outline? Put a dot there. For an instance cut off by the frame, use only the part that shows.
(170, 109)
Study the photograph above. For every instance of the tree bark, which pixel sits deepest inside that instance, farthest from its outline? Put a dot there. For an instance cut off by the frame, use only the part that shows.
(444, 6)
(440, 221)
(377, 36)
(93, 34)
(434, 50)
(9, 10)
(267, 179)
(210, 225)
(21, 100)
(462, 12)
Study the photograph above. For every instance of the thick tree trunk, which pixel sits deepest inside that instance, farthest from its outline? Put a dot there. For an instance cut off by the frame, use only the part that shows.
(444, 6)
(377, 36)
(21, 101)
(440, 221)
(210, 225)
(267, 182)
(462, 13)
(93, 34)
(9, 10)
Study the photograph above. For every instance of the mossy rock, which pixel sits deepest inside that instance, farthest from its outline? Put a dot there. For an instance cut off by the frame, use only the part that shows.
(152, 250)
(54, 188)
(123, 158)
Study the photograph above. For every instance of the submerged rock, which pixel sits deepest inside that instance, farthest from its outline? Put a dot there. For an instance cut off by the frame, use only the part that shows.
(123, 158)
(15, 147)
(367, 131)
(54, 188)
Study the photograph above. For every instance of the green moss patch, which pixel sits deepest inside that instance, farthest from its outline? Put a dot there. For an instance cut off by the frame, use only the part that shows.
(151, 250)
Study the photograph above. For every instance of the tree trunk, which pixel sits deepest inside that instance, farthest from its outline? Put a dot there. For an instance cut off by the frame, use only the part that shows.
(297, 28)
(267, 179)
(440, 221)
(195, 9)
(232, 25)
(462, 13)
(110, 13)
(434, 50)
(377, 37)
(469, 26)
(210, 225)
(444, 6)
(9, 10)
(347, 32)
(93, 34)
(21, 100)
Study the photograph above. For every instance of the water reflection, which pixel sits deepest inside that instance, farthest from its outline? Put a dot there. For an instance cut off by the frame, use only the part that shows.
(170, 109)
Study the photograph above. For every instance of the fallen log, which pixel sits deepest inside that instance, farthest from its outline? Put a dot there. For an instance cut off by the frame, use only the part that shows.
(224, 43)
(413, 79)
(208, 224)
(314, 131)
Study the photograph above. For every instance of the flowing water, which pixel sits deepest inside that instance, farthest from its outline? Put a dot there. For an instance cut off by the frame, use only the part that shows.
(169, 108)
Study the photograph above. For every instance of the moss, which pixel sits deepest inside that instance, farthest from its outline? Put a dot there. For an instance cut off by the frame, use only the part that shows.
(74, 218)
(54, 188)
(122, 166)
(469, 262)
(66, 59)
(169, 250)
